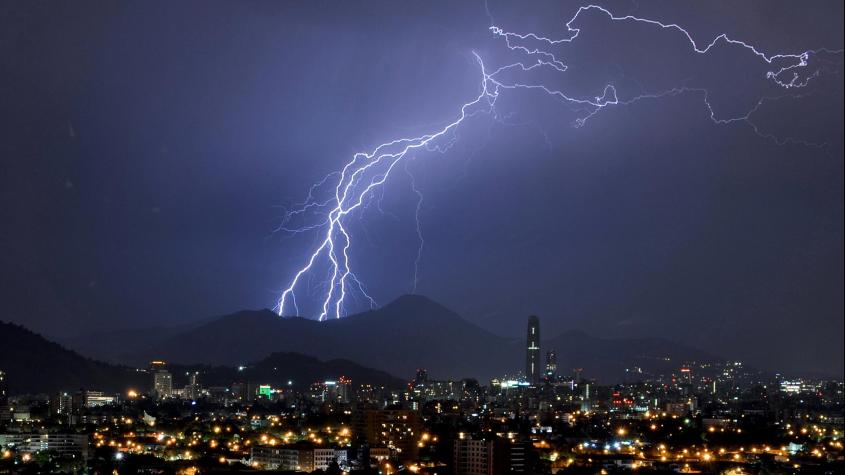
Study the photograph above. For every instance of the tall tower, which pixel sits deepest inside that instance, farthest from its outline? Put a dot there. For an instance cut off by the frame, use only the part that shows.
(551, 364)
(162, 380)
(532, 364)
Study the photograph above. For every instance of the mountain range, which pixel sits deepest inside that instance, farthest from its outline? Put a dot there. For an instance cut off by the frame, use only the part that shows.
(409, 333)
(287, 369)
(35, 365)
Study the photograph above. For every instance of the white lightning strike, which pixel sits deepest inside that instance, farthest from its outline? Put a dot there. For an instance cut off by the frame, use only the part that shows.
(365, 173)
(419, 228)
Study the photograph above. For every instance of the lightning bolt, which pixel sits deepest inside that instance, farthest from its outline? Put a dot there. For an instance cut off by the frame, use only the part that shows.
(361, 175)
(417, 210)
(366, 172)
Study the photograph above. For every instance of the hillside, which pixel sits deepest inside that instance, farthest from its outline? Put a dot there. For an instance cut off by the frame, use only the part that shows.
(34, 364)
(409, 333)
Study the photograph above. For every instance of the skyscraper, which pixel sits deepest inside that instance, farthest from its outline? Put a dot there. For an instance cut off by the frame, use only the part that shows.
(532, 364)
(473, 457)
(162, 379)
(193, 390)
(162, 384)
(551, 364)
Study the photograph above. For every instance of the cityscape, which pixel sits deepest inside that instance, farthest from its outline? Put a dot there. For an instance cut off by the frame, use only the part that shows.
(422, 237)
(704, 417)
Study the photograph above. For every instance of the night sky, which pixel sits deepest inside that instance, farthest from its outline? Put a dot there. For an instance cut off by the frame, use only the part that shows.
(149, 151)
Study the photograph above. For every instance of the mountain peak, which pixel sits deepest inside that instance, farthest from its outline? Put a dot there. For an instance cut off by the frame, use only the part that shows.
(415, 300)
(418, 308)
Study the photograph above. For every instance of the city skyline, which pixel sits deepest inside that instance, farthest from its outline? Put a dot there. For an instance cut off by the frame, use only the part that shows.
(425, 237)
(703, 417)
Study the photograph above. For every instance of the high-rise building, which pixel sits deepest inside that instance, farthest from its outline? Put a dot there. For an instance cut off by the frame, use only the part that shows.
(586, 396)
(500, 456)
(344, 390)
(397, 429)
(162, 380)
(162, 384)
(473, 457)
(324, 456)
(193, 390)
(551, 364)
(532, 365)
(513, 457)
(61, 404)
(421, 377)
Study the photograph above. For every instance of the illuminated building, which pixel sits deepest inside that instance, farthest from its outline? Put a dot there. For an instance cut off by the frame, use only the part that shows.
(193, 390)
(398, 429)
(586, 395)
(61, 404)
(302, 457)
(61, 444)
(329, 391)
(798, 387)
(323, 457)
(306, 459)
(344, 390)
(425, 389)
(274, 458)
(511, 456)
(532, 364)
(89, 399)
(162, 380)
(473, 457)
(551, 364)
(490, 457)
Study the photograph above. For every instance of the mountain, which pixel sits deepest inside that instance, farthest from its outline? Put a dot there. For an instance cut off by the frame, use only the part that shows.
(36, 365)
(409, 333)
(620, 359)
(118, 345)
(279, 369)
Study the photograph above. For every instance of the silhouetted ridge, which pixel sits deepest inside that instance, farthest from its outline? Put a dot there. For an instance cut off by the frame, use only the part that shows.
(283, 369)
(408, 333)
(35, 365)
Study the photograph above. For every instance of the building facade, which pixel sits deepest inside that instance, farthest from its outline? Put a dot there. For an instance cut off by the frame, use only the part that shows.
(532, 364)
(397, 429)
(63, 444)
(473, 457)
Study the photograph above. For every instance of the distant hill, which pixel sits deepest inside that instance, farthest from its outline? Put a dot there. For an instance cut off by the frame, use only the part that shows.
(279, 369)
(613, 360)
(118, 345)
(409, 333)
(36, 365)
